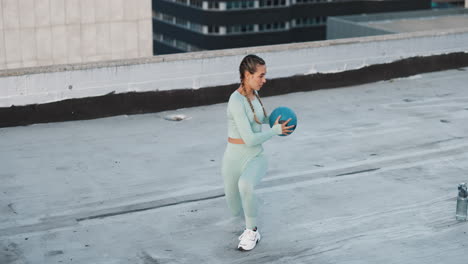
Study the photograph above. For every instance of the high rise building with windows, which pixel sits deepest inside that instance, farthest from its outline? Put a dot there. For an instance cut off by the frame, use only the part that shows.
(193, 25)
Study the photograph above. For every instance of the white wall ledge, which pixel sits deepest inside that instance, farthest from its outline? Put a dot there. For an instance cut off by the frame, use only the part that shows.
(38, 85)
(226, 52)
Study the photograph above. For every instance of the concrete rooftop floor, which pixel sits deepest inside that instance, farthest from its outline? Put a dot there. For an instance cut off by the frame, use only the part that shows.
(369, 176)
(422, 24)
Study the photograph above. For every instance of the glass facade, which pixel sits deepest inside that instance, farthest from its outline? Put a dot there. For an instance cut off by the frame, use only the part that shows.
(240, 4)
(272, 3)
(243, 23)
(241, 28)
(175, 43)
(177, 21)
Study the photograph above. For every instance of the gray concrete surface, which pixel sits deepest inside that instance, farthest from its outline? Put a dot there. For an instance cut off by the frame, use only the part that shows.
(369, 176)
(419, 21)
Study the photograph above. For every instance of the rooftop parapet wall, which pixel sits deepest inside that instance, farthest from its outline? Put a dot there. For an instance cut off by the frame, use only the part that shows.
(82, 91)
(419, 14)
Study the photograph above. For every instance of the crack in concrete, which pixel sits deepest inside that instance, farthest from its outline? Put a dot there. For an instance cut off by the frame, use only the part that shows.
(136, 208)
(356, 172)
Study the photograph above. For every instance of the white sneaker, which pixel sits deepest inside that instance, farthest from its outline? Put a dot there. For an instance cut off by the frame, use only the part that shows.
(248, 240)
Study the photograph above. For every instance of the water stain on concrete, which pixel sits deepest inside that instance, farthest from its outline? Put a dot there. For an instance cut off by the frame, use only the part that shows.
(147, 259)
(54, 253)
(10, 206)
(10, 254)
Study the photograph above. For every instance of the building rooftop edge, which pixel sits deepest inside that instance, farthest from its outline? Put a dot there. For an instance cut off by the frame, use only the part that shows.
(225, 52)
(403, 14)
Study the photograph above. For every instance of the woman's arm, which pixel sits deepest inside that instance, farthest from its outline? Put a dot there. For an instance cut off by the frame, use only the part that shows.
(245, 130)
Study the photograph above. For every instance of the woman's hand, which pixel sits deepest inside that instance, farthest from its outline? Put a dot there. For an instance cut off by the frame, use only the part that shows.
(285, 129)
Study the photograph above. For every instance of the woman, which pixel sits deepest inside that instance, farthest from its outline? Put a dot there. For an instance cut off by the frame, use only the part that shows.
(244, 164)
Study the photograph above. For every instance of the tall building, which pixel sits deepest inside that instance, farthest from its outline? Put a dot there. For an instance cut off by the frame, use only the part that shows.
(192, 25)
(48, 32)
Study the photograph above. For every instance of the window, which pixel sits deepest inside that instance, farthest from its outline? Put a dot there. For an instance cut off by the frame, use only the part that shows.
(213, 29)
(247, 28)
(196, 27)
(275, 26)
(182, 45)
(310, 21)
(157, 15)
(196, 3)
(213, 5)
(247, 4)
(240, 4)
(167, 18)
(271, 3)
(235, 29)
(181, 22)
(168, 40)
(158, 37)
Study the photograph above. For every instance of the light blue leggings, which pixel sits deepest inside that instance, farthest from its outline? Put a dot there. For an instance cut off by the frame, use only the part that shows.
(243, 167)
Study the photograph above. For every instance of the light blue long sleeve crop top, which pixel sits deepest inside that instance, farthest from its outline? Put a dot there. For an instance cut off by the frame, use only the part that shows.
(241, 122)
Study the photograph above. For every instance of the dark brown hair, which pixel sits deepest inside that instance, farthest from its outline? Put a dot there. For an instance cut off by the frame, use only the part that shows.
(249, 64)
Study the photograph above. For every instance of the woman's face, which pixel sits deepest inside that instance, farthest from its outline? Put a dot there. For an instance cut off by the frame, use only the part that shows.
(257, 80)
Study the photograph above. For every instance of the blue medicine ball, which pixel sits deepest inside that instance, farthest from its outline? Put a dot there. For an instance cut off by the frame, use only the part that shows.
(285, 113)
